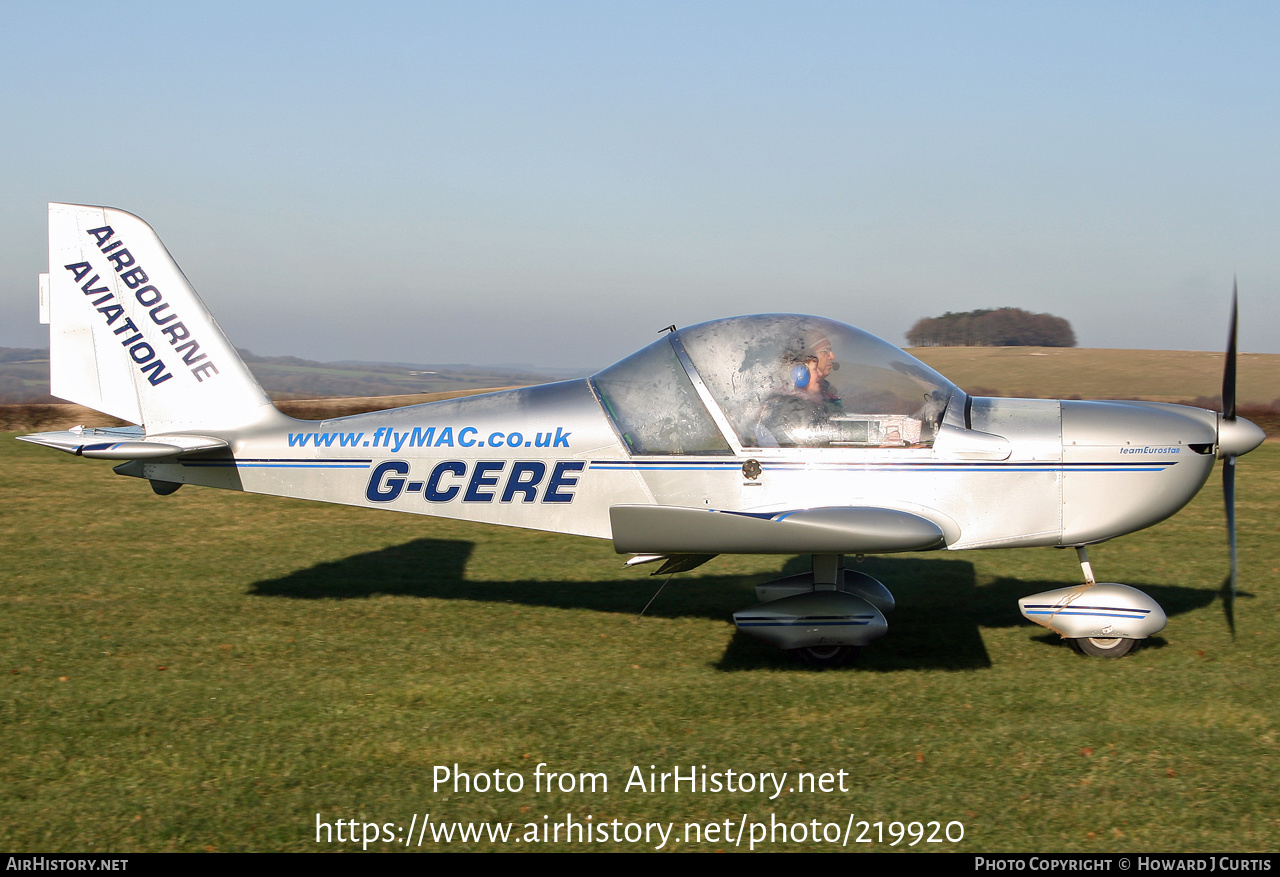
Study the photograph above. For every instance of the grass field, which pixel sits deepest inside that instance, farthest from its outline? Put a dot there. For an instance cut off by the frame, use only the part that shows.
(1080, 373)
(210, 671)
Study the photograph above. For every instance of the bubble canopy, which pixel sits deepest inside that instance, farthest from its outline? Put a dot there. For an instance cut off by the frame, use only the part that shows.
(772, 381)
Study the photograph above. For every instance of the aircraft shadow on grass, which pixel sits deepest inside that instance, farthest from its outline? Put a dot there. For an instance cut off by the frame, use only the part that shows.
(936, 625)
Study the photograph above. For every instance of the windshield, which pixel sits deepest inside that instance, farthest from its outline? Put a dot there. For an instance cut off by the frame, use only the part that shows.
(784, 380)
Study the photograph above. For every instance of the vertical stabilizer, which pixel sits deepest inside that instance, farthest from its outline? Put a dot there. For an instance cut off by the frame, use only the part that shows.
(128, 335)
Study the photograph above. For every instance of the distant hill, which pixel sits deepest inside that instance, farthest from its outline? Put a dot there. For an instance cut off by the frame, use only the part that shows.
(1038, 372)
(24, 377)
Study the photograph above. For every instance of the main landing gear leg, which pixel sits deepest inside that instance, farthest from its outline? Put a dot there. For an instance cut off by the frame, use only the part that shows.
(828, 575)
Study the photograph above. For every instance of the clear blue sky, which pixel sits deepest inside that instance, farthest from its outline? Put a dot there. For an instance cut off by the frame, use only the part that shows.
(553, 183)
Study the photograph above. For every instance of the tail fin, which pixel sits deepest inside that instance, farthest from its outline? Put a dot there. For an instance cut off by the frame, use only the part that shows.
(128, 335)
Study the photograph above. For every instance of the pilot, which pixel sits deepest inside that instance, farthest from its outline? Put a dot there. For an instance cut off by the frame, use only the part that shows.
(821, 361)
(800, 411)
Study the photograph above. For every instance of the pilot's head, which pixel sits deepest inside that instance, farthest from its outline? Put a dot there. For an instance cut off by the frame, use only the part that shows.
(818, 347)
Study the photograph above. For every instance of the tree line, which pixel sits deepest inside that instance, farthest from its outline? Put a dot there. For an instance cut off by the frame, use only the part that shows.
(992, 327)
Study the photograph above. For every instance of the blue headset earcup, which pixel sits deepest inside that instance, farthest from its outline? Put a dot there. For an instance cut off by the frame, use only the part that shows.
(800, 375)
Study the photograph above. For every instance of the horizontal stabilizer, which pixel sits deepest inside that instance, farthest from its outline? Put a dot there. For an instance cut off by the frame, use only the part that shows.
(122, 443)
(655, 529)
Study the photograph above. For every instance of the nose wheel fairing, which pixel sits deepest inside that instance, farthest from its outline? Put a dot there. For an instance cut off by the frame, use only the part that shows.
(1100, 620)
(1102, 611)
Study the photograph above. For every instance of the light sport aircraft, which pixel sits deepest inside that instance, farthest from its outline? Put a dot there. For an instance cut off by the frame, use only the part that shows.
(767, 434)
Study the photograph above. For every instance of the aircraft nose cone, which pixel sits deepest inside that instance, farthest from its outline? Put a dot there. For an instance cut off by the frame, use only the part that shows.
(1239, 436)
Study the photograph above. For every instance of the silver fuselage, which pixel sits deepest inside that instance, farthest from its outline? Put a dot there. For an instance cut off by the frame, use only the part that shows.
(1000, 473)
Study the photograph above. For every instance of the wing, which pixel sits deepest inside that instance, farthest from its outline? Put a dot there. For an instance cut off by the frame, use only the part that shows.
(670, 530)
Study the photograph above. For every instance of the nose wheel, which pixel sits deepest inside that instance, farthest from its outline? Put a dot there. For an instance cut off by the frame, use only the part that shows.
(826, 656)
(1103, 647)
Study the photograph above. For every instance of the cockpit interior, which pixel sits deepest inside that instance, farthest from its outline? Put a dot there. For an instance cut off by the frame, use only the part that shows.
(772, 381)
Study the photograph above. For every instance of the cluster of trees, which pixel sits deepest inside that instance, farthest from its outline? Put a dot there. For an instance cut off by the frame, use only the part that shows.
(998, 327)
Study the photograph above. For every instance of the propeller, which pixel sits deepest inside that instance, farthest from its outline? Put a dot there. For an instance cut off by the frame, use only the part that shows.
(1236, 436)
(1229, 370)
(1229, 464)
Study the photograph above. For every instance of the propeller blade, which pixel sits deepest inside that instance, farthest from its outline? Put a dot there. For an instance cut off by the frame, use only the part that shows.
(1229, 462)
(1229, 499)
(1229, 370)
